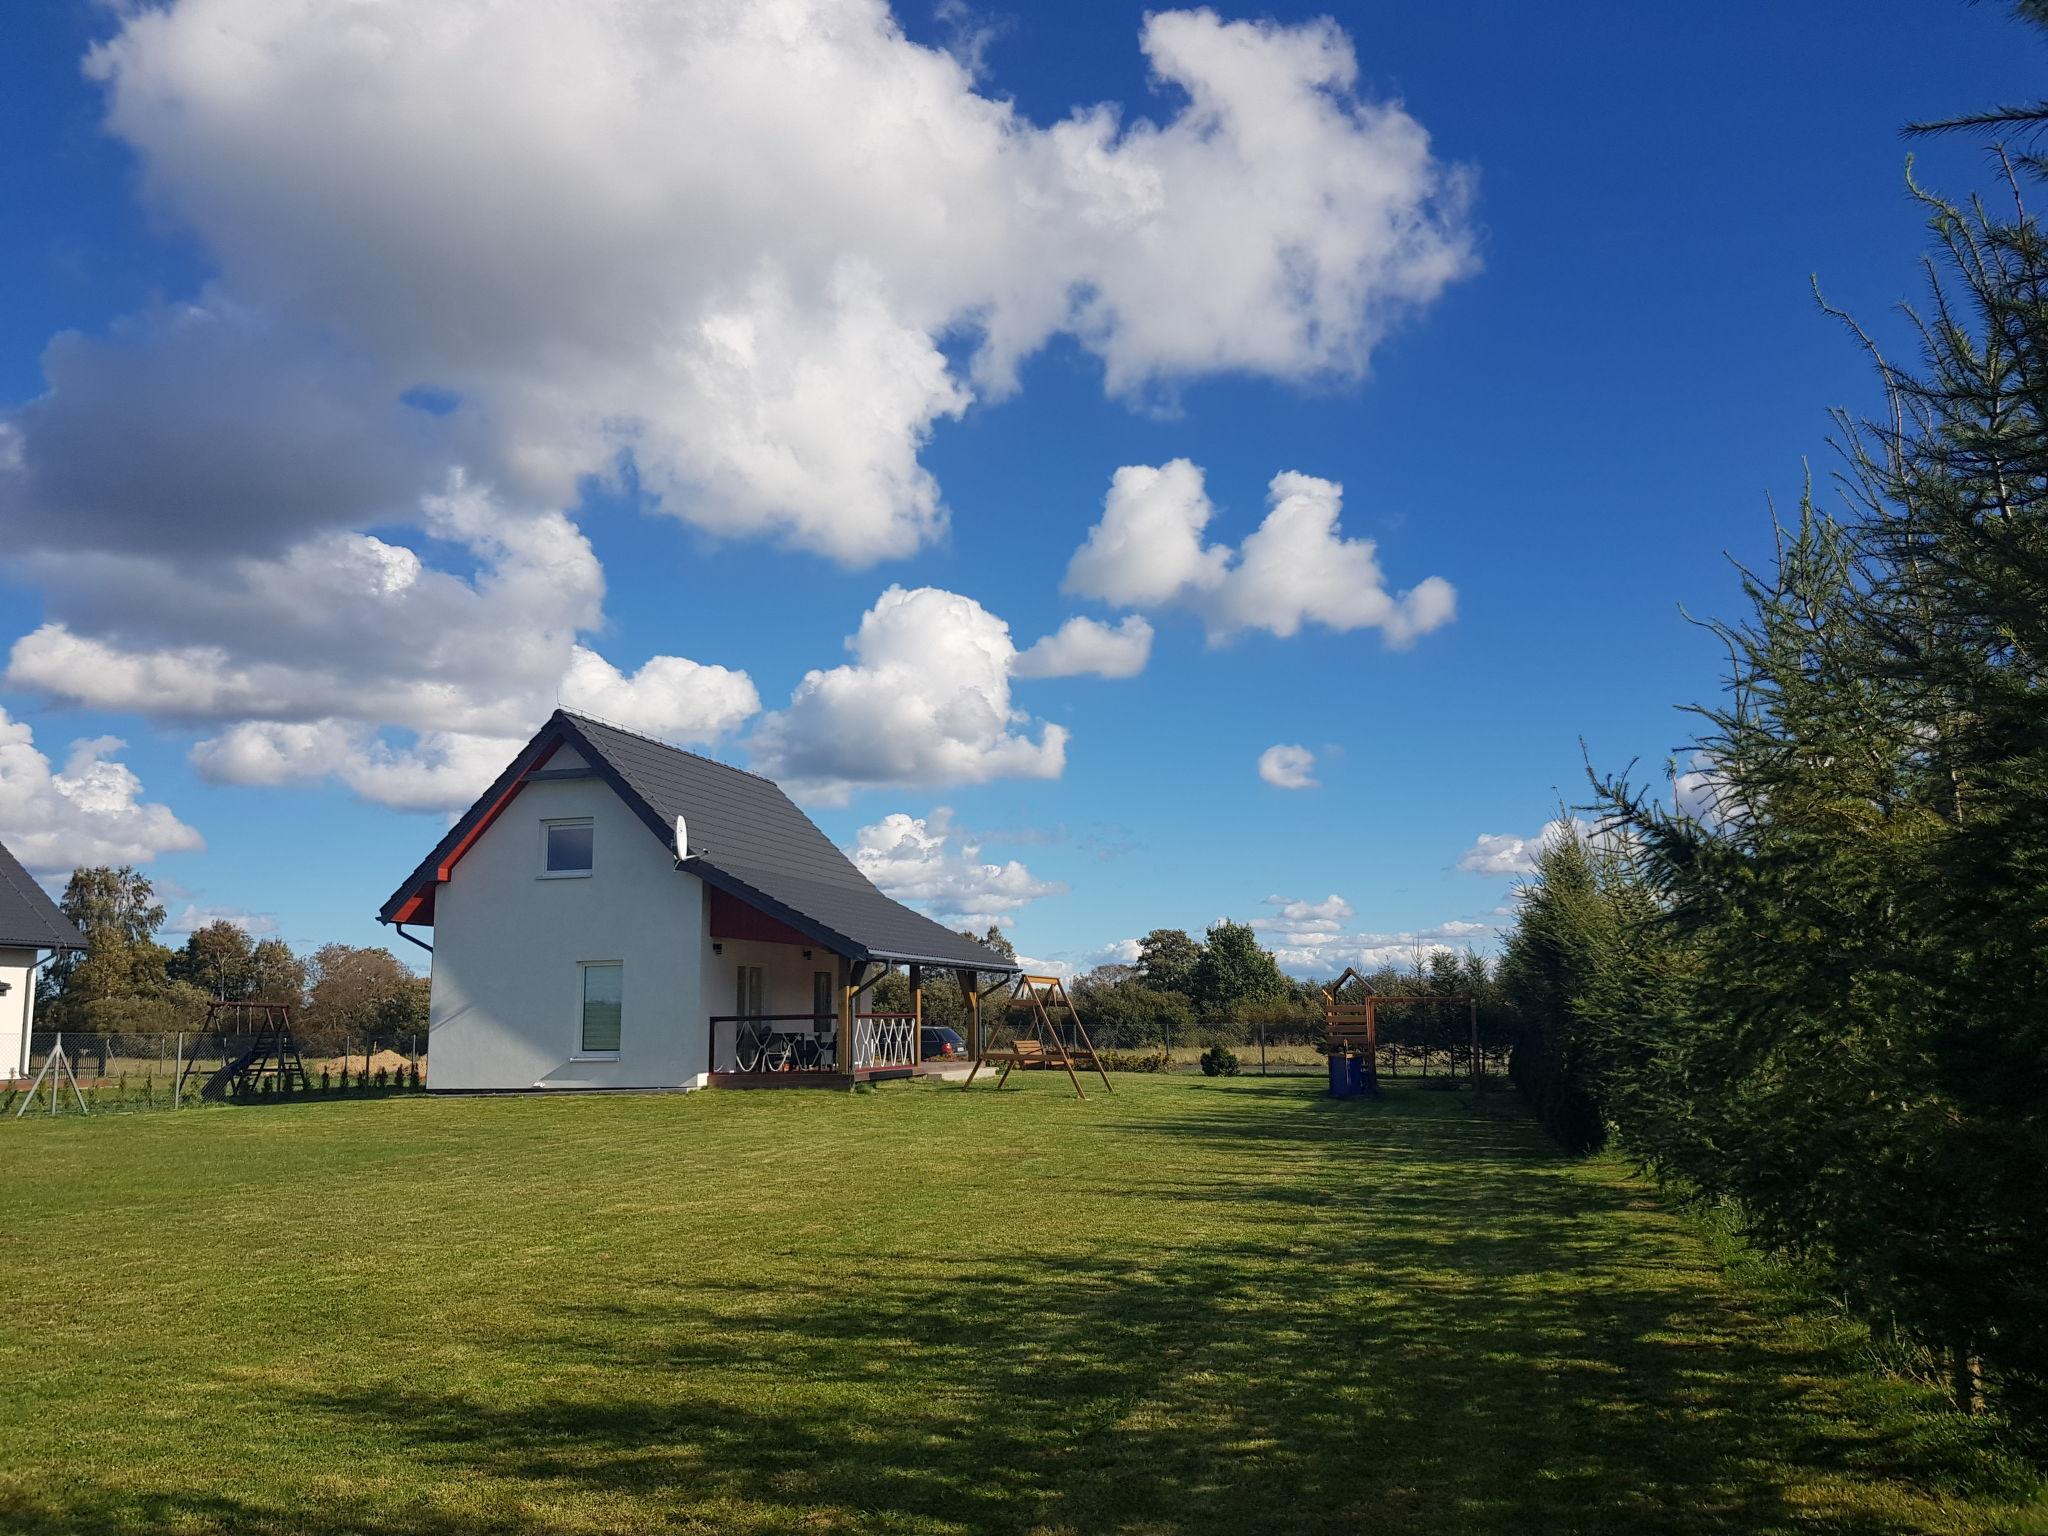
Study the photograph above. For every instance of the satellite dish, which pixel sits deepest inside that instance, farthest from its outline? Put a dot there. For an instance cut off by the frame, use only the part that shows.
(682, 837)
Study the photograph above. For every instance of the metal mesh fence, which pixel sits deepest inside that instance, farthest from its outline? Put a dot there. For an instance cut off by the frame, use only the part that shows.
(138, 1072)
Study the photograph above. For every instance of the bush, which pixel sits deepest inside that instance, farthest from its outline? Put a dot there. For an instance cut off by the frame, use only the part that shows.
(1131, 1061)
(1219, 1061)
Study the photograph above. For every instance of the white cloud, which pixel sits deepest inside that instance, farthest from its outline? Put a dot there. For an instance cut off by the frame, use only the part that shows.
(502, 248)
(1117, 952)
(258, 925)
(1147, 551)
(1504, 853)
(206, 429)
(928, 863)
(669, 696)
(1288, 767)
(1081, 646)
(90, 812)
(1301, 919)
(727, 238)
(1703, 792)
(925, 701)
(1312, 938)
(1296, 568)
(308, 655)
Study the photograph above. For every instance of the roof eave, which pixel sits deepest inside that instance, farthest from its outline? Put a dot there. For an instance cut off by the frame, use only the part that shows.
(994, 962)
(754, 896)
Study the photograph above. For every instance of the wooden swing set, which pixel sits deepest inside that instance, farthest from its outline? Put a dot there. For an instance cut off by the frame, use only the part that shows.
(255, 1046)
(1352, 1027)
(1043, 1048)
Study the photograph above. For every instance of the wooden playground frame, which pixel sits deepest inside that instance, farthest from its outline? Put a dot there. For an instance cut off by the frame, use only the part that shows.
(1353, 1027)
(1044, 1048)
(270, 1052)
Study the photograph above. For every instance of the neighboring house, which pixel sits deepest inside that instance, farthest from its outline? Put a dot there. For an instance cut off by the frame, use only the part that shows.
(577, 945)
(32, 930)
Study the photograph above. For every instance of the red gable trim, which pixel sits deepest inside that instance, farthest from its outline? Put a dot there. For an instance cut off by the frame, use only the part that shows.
(497, 808)
(732, 918)
(419, 907)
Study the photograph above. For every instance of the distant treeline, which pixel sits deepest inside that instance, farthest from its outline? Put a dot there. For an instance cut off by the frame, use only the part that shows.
(1814, 987)
(1224, 989)
(128, 983)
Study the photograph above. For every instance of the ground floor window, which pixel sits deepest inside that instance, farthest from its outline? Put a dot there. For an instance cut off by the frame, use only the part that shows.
(752, 987)
(604, 1007)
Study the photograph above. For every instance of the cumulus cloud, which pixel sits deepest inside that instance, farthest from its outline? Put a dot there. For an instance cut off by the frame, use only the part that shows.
(309, 655)
(470, 256)
(1703, 792)
(202, 429)
(1504, 853)
(1296, 568)
(929, 863)
(926, 700)
(1116, 952)
(1313, 938)
(1300, 919)
(89, 812)
(1285, 766)
(192, 917)
(1082, 646)
(726, 239)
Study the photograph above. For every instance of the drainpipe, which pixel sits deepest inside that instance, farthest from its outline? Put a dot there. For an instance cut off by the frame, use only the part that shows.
(28, 1011)
(399, 928)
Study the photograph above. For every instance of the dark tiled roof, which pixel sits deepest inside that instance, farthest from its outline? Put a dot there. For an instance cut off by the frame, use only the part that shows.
(746, 837)
(28, 918)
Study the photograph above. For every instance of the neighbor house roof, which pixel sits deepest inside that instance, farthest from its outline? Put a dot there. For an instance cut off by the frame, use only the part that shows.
(746, 837)
(28, 918)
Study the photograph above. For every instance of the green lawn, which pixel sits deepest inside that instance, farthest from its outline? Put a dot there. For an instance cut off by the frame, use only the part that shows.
(1197, 1306)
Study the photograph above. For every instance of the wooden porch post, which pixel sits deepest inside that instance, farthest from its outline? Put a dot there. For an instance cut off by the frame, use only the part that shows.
(970, 994)
(916, 1014)
(846, 997)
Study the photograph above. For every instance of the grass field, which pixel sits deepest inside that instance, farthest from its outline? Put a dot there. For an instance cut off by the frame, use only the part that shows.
(1198, 1306)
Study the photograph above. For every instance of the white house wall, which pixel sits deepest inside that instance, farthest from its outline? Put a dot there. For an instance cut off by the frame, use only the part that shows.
(786, 979)
(17, 1008)
(509, 946)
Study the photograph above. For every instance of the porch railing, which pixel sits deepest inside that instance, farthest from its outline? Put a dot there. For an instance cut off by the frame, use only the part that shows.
(809, 1042)
(774, 1042)
(884, 1040)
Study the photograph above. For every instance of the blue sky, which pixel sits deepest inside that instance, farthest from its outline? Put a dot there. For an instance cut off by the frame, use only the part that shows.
(1571, 432)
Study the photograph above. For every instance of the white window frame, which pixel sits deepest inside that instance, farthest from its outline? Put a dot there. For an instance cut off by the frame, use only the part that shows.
(547, 826)
(583, 968)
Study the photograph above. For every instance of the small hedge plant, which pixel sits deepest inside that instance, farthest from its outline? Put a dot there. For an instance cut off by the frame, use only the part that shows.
(1219, 1061)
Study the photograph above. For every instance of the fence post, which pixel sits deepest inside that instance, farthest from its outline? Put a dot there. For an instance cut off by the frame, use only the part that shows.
(178, 1082)
(1262, 1047)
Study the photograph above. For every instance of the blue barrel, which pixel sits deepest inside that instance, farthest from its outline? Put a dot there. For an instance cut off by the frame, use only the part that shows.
(1343, 1075)
(1356, 1072)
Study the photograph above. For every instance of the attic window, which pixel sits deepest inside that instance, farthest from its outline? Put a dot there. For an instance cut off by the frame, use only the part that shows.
(567, 848)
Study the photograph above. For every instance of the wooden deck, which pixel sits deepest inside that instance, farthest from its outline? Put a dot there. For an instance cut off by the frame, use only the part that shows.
(812, 1079)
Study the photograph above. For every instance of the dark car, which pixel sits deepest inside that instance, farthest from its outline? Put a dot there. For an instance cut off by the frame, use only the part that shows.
(941, 1042)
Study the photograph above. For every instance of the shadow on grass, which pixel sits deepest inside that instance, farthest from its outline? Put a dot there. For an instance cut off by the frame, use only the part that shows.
(1415, 1318)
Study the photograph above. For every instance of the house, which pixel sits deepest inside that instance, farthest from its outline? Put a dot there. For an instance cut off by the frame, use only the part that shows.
(615, 912)
(33, 929)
